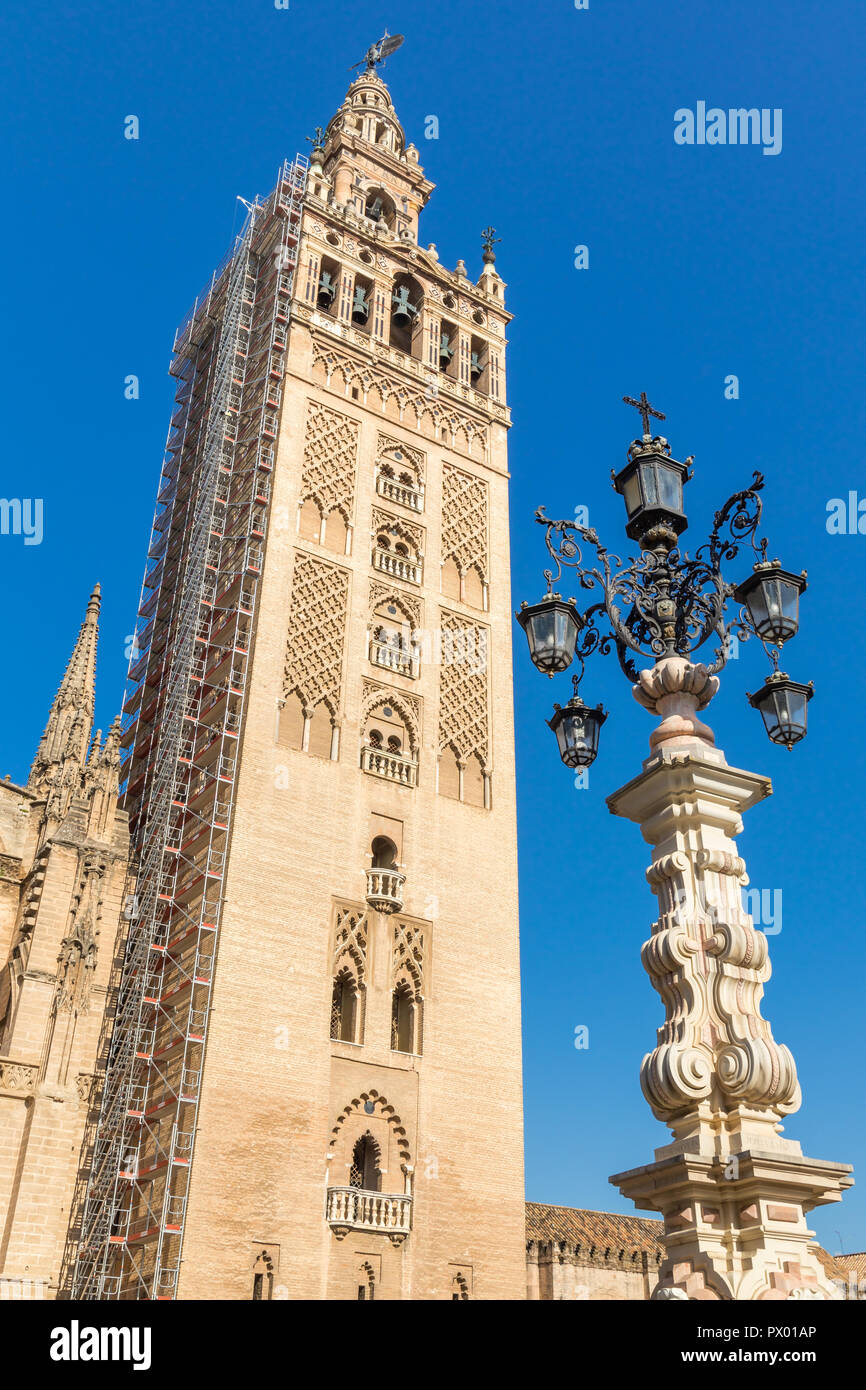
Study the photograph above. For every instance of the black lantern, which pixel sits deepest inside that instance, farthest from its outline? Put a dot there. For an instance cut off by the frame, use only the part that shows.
(551, 628)
(577, 728)
(652, 486)
(772, 596)
(782, 703)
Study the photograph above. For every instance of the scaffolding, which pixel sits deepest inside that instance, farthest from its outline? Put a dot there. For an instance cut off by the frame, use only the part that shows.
(182, 726)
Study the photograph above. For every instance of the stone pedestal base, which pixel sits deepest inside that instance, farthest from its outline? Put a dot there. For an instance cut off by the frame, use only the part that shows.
(733, 1193)
(735, 1227)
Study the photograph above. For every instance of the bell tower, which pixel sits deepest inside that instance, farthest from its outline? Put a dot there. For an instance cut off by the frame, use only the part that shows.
(320, 1093)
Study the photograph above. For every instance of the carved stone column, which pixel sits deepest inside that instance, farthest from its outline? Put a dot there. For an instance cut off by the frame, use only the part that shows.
(732, 1191)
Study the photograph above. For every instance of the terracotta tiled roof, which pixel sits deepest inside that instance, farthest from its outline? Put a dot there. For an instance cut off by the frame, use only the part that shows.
(601, 1230)
(857, 1262)
(604, 1230)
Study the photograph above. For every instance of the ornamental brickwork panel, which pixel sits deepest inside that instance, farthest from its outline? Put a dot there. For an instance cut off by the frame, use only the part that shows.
(464, 720)
(464, 520)
(350, 941)
(330, 460)
(317, 626)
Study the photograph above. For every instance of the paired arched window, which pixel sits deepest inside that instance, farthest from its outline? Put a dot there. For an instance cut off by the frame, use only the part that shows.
(392, 641)
(313, 733)
(464, 781)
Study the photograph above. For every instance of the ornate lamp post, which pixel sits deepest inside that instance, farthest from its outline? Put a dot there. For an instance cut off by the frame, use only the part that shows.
(733, 1193)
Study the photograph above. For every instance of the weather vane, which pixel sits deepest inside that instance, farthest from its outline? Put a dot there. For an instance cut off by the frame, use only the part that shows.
(378, 52)
(488, 241)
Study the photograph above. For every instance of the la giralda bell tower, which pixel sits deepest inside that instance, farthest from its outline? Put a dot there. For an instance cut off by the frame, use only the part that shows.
(314, 1088)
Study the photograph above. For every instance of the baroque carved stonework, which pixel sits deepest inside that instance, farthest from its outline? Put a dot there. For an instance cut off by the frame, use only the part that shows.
(314, 647)
(464, 520)
(330, 460)
(710, 965)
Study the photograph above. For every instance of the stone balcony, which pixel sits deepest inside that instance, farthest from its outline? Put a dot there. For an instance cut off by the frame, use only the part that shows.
(385, 889)
(399, 657)
(351, 1208)
(398, 566)
(393, 766)
(406, 495)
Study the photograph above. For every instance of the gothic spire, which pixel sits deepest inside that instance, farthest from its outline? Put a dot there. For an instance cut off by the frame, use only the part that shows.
(67, 734)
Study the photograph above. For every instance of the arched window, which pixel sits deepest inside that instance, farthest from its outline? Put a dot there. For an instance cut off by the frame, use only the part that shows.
(399, 479)
(450, 578)
(345, 1008)
(406, 303)
(449, 360)
(405, 1019)
(384, 853)
(263, 1278)
(310, 521)
(396, 553)
(367, 1284)
(449, 773)
(392, 643)
(364, 1172)
(321, 731)
(379, 205)
(473, 782)
(329, 283)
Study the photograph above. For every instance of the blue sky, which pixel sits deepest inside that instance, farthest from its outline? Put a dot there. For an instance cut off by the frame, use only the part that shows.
(557, 126)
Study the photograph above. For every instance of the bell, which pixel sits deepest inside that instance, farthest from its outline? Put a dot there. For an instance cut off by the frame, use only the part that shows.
(327, 290)
(446, 352)
(374, 209)
(475, 368)
(403, 311)
(360, 305)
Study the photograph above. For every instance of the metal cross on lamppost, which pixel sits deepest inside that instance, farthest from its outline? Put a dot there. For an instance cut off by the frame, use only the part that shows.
(646, 410)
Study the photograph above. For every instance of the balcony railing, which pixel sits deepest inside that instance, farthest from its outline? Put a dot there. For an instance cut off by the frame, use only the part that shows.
(395, 656)
(385, 889)
(350, 1208)
(398, 566)
(393, 766)
(403, 493)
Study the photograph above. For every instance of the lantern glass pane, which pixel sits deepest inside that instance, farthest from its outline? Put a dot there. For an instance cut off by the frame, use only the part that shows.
(648, 484)
(774, 605)
(542, 629)
(566, 635)
(784, 714)
(631, 493)
(670, 488)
